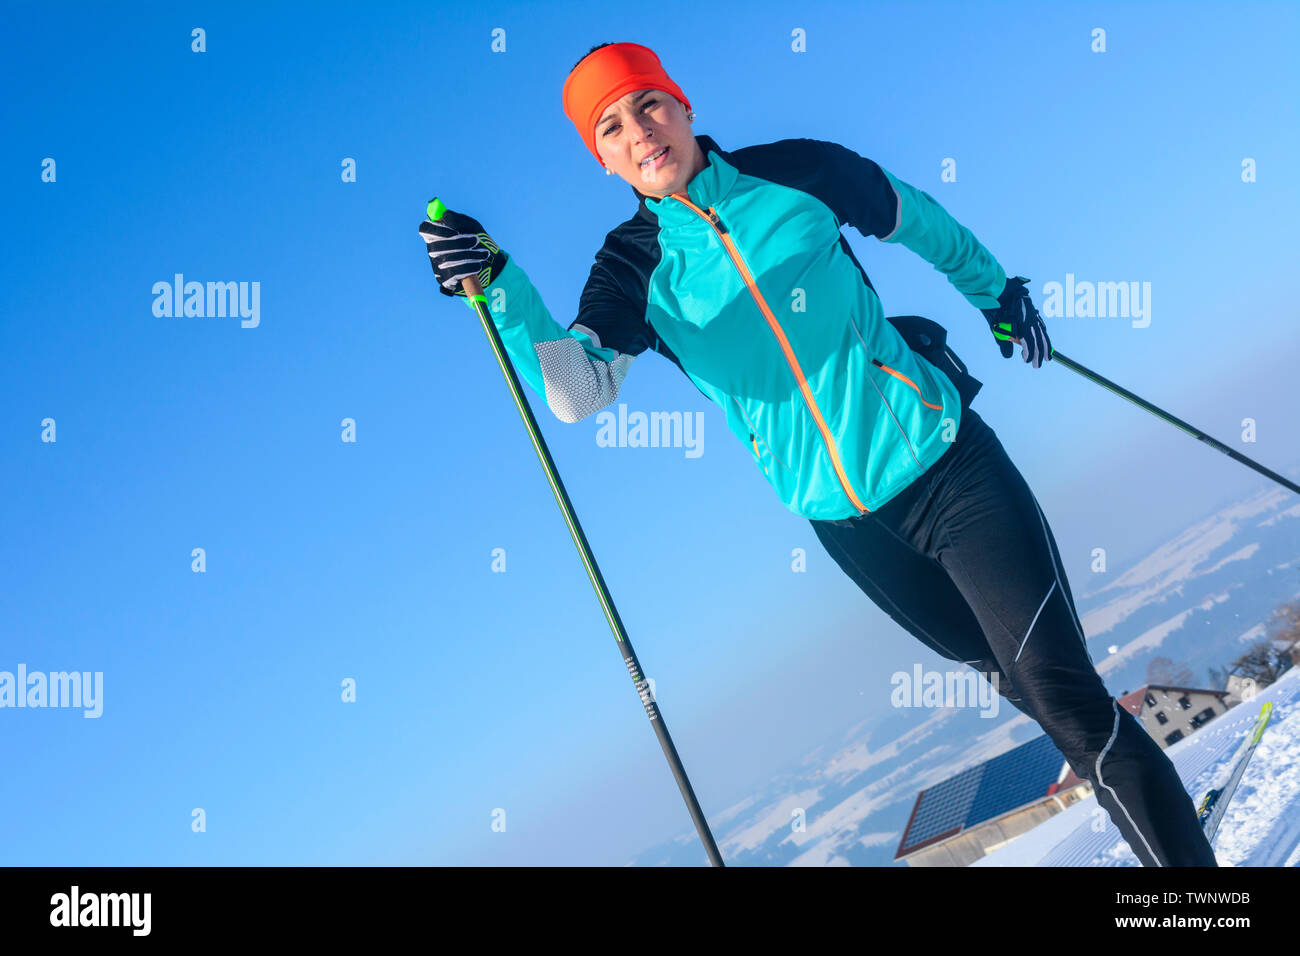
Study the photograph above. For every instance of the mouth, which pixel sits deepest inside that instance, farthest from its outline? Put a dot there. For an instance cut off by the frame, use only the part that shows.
(656, 159)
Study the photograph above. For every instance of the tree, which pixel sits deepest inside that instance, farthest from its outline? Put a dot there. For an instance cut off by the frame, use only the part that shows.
(1284, 622)
(1261, 663)
(1163, 670)
(1268, 659)
(1218, 678)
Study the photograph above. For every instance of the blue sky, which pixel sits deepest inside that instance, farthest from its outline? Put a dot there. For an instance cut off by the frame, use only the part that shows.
(373, 560)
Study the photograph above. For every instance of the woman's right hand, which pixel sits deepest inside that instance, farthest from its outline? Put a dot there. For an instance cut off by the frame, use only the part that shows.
(458, 247)
(1016, 320)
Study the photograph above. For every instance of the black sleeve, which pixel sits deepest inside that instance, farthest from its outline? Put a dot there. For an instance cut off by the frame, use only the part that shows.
(611, 309)
(857, 191)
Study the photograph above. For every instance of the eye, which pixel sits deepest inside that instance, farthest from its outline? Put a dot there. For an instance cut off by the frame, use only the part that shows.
(645, 106)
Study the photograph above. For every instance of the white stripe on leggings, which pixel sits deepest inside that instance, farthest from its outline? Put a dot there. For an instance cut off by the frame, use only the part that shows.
(1056, 571)
(1101, 783)
(1025, 640)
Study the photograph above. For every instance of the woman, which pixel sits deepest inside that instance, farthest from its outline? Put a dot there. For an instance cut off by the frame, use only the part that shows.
(734, 268)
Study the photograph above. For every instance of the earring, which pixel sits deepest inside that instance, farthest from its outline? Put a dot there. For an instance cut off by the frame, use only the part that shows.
(608, 171)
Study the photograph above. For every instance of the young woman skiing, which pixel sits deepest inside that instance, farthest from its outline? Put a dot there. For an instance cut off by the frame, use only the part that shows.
(734, 268)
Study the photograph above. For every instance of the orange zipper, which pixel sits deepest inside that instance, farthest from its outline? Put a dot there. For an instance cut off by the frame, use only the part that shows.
(712, 218)
(900, 375)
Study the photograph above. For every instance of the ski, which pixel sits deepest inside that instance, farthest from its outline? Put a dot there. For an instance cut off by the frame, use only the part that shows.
(1215, 802)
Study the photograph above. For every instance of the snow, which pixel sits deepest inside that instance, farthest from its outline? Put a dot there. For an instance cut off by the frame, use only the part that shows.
(1153, 637)
(1179, 559)
(1241, 554)
(836, 825)
(857, 788)
(1292, 512)
(1260, 828)
(1254, 634)
(733, 811)
(879, 839)
(776, 818)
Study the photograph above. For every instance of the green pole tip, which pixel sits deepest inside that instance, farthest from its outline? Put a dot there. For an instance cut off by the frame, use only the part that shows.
(435, 209)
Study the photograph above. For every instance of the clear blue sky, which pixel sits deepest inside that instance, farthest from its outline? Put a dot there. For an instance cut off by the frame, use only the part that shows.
(372, 560)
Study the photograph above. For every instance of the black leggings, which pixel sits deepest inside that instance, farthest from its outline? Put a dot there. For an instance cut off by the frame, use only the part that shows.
(964, 560)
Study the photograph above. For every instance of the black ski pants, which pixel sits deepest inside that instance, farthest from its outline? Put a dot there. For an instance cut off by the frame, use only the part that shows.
(964, 560)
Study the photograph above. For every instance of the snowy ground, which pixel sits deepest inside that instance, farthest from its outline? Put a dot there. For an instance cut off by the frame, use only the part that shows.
(1199, 599)
(1261, 827)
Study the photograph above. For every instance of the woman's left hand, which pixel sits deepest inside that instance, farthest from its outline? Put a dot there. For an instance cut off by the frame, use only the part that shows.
(1016, 320)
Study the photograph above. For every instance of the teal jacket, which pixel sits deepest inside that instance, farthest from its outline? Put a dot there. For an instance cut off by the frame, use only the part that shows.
(748, 285)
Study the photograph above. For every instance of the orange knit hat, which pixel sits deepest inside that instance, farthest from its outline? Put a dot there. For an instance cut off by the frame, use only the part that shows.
(607, 75)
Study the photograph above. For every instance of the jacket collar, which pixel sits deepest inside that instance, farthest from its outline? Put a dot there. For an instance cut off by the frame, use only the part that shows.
(709, 185)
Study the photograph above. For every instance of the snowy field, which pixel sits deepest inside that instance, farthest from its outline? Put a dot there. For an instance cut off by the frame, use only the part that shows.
(1261, 827)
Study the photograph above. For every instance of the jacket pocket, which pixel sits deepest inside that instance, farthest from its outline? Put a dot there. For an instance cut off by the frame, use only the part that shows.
(757, 454)
(929, 340)
(903, 378)
(761, 450)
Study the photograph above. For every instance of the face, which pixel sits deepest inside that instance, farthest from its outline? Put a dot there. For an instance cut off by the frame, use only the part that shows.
(641, 124)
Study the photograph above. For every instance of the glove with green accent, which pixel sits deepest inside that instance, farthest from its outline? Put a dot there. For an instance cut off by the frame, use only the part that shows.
(1016, 318)
(459, 247)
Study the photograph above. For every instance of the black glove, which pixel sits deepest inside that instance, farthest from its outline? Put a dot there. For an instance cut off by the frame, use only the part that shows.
(459, 247)
(1016, 318)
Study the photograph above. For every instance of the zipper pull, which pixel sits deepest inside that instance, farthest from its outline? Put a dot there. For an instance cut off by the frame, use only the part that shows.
(713, 218)
(758, 455)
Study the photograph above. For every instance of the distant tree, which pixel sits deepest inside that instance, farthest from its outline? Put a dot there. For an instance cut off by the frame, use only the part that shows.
(1218, 677)
(1268, 659)
(1284, 622)
(1163, 670)
(1261, 663)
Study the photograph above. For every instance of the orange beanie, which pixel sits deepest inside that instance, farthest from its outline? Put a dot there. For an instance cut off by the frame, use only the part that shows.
(607, 75)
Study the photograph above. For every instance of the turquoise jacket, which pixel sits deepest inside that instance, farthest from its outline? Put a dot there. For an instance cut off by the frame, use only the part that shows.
(748, 285)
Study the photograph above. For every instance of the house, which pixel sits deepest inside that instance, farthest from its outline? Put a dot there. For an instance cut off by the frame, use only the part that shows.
(956, 822)
(1168, 714)
(1286, 654)
(1171, 713)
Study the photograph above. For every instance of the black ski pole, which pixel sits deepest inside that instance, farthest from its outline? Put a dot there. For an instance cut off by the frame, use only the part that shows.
(1173, 420)
(479, 302)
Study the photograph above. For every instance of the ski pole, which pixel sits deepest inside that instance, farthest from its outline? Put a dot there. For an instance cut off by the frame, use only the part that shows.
(1173, 420)
(478, 301)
